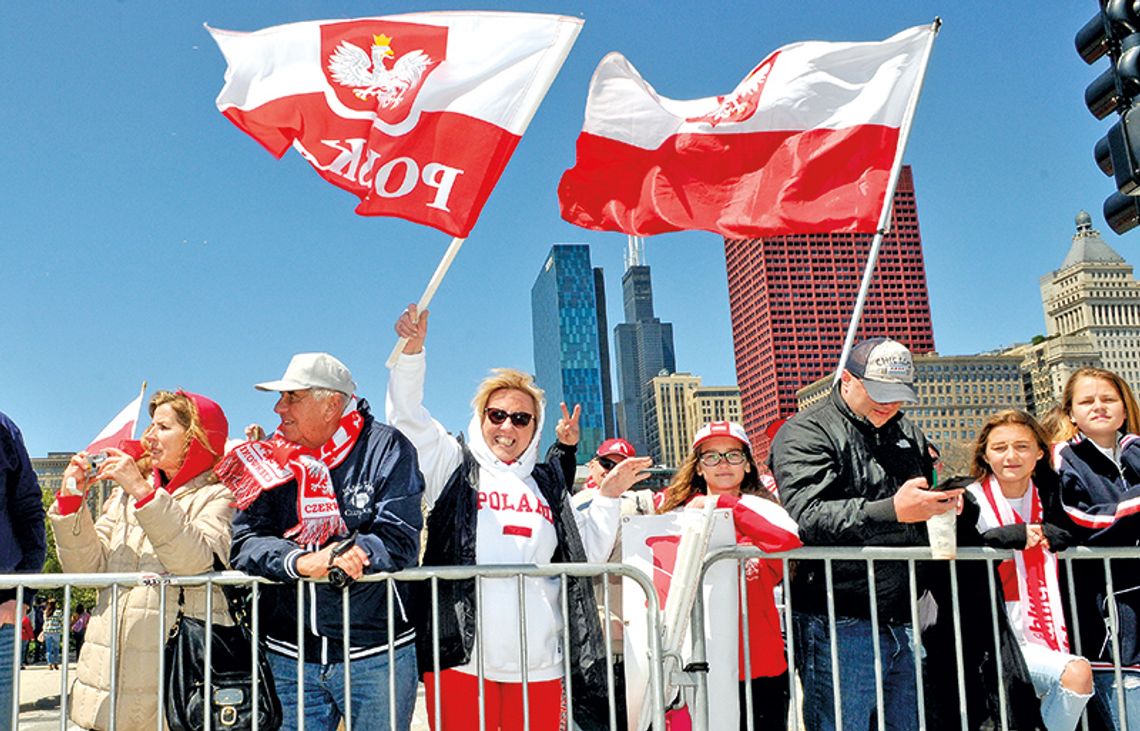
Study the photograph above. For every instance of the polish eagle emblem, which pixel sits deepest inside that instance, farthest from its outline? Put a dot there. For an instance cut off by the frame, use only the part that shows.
(742, 103)
(368, 76)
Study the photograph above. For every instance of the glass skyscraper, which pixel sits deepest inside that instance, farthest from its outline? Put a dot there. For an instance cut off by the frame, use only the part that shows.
(569, 343)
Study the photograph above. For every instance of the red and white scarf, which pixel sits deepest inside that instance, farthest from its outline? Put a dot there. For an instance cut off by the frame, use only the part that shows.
(254, 467)
(1029, 581)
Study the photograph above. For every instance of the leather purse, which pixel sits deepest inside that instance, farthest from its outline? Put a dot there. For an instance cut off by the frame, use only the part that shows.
(230, 697)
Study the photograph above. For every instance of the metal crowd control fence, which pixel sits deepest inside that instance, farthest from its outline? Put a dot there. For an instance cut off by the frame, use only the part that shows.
(913, 557)
(117, 583)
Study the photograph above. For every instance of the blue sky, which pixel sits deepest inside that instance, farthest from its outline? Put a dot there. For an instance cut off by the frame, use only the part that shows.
(144, 237)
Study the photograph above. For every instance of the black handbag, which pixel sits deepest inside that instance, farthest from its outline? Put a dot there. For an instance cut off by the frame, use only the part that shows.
(230, 699)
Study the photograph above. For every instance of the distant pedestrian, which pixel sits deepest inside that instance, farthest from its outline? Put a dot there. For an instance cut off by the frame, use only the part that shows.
(79, 627)
(23, 545)
(52, 633)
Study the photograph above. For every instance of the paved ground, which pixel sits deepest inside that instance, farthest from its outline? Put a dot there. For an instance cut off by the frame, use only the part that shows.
(39, 700)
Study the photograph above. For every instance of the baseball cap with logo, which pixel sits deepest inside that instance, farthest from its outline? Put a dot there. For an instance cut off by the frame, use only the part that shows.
(885, 368)
(721, 429)
(313, 370)
(616, 446)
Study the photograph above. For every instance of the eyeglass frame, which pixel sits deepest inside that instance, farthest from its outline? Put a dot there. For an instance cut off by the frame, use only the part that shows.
(499, 416)
(722, 456)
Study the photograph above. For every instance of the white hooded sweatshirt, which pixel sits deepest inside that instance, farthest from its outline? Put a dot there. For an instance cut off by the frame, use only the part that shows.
(514, 527)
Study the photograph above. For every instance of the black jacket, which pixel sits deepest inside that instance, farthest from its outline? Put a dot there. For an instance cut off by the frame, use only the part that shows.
(23, 538)
(378, 488)
(838, 475)
(978, 611)
(452, 529)
(1097, 496)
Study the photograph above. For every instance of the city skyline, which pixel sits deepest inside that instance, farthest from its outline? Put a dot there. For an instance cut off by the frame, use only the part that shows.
(146, 238)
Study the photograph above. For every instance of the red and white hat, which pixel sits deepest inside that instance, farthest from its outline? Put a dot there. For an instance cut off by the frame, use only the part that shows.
(721, 429)
(616, 446)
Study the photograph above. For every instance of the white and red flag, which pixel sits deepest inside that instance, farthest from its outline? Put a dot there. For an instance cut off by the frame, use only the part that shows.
(122, 427)
(804, 144)
(415, 114)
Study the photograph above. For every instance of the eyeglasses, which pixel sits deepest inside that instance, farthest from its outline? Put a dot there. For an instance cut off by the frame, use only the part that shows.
(292, 397)
(518, 418)
(606, 463)
(732, 456)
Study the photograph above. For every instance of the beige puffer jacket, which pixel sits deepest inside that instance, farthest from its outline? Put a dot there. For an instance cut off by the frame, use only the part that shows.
(177, 533)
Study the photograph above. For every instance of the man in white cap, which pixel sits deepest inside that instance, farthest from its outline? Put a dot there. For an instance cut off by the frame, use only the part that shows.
(853, 471)
(333, 493)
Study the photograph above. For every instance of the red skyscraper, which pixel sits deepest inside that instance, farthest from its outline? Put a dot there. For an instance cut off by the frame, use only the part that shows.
(792, 297)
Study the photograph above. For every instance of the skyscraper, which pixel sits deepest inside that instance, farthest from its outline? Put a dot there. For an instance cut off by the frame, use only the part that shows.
(1093, 297)
(568, 343)
(643, 346)
(791, 299)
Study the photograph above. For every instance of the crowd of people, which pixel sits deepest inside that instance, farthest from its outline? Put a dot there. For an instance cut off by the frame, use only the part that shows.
(337, 493)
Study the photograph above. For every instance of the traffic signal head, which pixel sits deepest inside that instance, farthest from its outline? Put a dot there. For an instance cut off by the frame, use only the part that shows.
(1115, 32)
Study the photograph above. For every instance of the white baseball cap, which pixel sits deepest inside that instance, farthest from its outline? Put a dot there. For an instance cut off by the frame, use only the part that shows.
(721, 429)
(886, 369)
(313, 370)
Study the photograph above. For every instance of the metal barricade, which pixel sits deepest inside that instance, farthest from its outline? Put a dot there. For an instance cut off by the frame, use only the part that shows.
(117, 583)
(913, 557)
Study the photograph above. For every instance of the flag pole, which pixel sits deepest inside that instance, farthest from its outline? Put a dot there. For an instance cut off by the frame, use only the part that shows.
(429, 292)
(888, 205)
(142, 392)
(535, 93)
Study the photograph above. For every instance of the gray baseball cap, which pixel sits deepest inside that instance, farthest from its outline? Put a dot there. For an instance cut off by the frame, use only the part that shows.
(313, 370)
(886, 369)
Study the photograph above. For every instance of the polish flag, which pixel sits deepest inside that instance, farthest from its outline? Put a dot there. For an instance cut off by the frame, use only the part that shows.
(804, 144)
(417, 115)
(120, 428)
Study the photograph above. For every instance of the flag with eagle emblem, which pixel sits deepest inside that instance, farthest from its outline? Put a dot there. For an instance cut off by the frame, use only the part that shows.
(804, 144)
(417, 114)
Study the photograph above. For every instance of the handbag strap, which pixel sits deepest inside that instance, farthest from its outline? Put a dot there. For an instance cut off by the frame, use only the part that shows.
(235, 603)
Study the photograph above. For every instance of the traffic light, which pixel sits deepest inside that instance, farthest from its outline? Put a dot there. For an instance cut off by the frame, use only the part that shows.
(1115, 32)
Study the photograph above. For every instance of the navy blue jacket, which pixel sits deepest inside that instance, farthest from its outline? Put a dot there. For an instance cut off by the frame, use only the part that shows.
(378, 488)
(23, 538)
(1104, 503)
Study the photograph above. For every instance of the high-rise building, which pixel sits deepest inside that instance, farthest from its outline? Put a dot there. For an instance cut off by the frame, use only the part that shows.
(792, 297)
(643, 346)
(678, 405)
(567, 343)
(1094, 299)
(604, 351)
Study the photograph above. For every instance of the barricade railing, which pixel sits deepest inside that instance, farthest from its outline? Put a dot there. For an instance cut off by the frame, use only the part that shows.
(117, 583)
(914, 558)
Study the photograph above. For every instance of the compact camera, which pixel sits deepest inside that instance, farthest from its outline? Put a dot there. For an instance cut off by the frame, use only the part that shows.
(93, 463)
(338, 577)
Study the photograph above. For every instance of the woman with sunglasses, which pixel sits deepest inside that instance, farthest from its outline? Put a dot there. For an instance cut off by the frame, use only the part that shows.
(720, 467)
(492, 502)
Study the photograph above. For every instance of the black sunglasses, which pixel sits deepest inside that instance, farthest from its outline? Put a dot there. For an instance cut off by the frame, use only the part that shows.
(606, 463)
(518, 418)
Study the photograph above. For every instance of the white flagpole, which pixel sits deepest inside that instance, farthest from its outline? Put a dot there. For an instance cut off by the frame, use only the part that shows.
(567, 34)
(888, 204)
(142, 392)
(429, 292)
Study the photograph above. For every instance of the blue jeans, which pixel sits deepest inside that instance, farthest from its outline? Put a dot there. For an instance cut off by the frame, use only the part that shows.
(51, 648)
(1104, 682)
(856, 674)
(7, 637)
(324, 692)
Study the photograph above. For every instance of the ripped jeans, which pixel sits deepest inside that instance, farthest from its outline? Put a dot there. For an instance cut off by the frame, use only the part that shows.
(1060, 707)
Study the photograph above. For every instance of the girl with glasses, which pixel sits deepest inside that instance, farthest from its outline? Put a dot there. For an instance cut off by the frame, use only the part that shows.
(720, 467)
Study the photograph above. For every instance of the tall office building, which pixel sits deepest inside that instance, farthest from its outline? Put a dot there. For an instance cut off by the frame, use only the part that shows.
(677, 406)
(643, 346)
(568, 343)
(1094, 300)
(791, 299)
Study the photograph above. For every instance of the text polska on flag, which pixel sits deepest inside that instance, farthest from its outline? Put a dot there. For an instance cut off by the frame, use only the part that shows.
(804, 144)
(416, 114)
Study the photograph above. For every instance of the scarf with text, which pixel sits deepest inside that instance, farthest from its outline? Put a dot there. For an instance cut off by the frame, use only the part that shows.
(1030, 578)
(254, 467)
